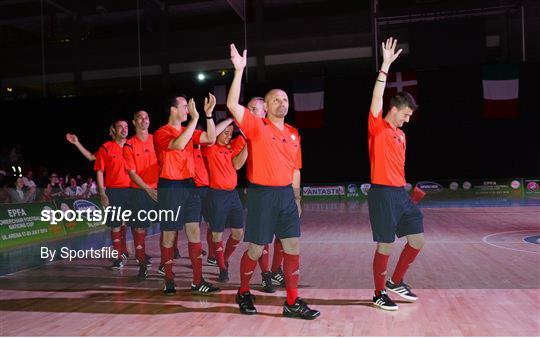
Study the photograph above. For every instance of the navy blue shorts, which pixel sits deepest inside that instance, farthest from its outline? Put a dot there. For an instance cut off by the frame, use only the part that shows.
(271, 211)
(226, 210)
(119, 198)
(203, 195)
(141, 204)
(392, 213)
(175, 194)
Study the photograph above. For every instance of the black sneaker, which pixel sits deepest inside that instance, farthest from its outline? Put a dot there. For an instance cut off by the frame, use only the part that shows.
(384, 302)
(177, 254)
(147, 261)
(170, 288)
(125, 255)
(401, 289)
(299, 310)
(245, 302)
(266, 282)
(223, 276)
(161, 270)
(204, 253)
(211, 261)
(117, 264)
(278, 279)
(143, 272)
(204, 288)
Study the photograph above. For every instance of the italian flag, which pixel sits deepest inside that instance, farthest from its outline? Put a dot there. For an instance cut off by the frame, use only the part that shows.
(501, 91)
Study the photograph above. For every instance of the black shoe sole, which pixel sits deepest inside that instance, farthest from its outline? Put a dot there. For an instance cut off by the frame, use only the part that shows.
(249, 313)
(268, 290)
(169, 293)
(294, 315)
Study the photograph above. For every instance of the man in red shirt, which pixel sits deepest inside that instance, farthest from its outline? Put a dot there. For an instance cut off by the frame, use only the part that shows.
(141, 164)
(391, 211)
(225, 208)
(275, 275)
(113, 181)
(176, 190)
(273, 200)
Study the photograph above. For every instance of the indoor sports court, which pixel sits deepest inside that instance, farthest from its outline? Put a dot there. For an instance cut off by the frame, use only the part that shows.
(247, 168)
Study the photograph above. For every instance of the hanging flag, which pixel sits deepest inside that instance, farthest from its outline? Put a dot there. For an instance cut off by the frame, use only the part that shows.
(309, 103)
(501, 91)
(399, 82)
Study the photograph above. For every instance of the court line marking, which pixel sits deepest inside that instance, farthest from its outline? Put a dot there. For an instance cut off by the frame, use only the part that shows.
(484, 239)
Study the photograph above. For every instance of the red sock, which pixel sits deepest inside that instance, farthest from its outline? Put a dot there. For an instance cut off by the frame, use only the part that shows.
(210, 242)
(218, 246)
(123, 240)
(405, 260)
(278, 256)
(247, 266)
(138, 240)
(167, 262)
(263, 261)
(291, 270)
(232, 244)
(116, 238)
(380, 262)
(196, 261)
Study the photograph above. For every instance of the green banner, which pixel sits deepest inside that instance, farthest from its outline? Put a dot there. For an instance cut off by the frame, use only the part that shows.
(472, 189)
(82, 205)
(531, 187)
(21, 224)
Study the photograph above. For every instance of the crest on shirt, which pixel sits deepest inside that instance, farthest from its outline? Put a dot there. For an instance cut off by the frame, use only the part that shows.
(293, 137)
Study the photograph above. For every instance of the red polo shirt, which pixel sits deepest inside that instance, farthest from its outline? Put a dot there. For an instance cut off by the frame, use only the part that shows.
(175, 164)
(110, 160)
(201, 173)
(140, 156)
(273, 154)
(386, 152)
(220, 163)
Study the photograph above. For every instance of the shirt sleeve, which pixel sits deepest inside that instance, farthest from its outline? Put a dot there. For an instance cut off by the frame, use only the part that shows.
(129, 159)
(197, 136)
(101, 157)
(237, 145)
(298, 159)
(161, 140)
(375, 124)
(251, 125)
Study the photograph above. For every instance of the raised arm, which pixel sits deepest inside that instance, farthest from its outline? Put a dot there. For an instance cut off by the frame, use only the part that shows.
(239, 62)
(220, 127)
(182, 140)
(209, 136)
(73, 139)
(240, 159)
(389, 55)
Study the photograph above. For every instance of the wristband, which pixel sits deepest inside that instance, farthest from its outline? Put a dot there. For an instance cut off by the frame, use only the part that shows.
(209, 117)
(382, 71)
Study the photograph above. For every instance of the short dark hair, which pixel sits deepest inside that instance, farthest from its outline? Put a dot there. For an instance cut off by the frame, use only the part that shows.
(172, 101)
(403, 100)
(258, 98)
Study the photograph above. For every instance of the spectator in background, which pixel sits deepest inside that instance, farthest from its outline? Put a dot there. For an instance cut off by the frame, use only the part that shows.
(54, 189)
(28, 179)
(89, 188)
(4, 194)
(73, 190)
(79, 180)
(20, 194)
